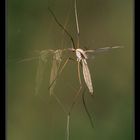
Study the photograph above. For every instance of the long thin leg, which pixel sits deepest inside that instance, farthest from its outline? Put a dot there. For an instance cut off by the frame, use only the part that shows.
(68, 116)
(60, 103)
(86, 109)
(54, 71)
(65, 25)
(75, 98)
(73, 103)
(77, 94)
(59, 72)
(62, 27)
(27, 59)
(64, 65)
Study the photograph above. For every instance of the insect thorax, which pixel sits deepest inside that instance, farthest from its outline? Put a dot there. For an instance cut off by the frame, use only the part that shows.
(80, 54)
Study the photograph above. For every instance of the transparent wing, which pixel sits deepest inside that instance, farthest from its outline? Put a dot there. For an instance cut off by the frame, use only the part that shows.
(54, 70)
(101, 50)
(40, 69)
(53, 75)
(27, 59)
(42, 54)
(39, 75)
(87, 76)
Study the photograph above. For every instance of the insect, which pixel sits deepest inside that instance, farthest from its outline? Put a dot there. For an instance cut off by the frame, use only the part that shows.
(81, 55)
(81, 58)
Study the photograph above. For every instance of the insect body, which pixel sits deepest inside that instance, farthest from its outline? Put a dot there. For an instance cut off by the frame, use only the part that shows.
(80, 54)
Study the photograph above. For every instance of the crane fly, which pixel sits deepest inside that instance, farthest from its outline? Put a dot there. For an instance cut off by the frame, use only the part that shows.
(81, 55)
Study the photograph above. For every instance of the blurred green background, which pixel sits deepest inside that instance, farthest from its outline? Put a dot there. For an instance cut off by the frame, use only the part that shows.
(102, 23)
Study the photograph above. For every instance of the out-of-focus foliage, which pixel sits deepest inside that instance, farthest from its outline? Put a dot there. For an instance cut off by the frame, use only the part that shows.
(102, 23)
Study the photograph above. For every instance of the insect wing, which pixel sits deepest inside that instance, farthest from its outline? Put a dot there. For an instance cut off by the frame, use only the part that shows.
(39, 75)
(53, 75)
(40, 69)
(27, 59)
(92, 53)
(54, 70)
(87, 76)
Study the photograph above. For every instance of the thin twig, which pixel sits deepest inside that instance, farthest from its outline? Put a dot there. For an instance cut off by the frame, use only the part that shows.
(68, 128)
(76, 17)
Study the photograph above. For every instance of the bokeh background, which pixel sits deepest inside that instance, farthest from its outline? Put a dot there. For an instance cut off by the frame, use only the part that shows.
(102, 23)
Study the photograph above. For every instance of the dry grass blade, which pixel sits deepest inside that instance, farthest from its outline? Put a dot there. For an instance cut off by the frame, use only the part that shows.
(27, 59)
(54, 70)
(68, 128)
(76, 17)
(87, 76)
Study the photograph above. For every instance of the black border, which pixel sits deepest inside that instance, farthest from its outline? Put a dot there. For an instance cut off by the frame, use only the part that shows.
(2, 67)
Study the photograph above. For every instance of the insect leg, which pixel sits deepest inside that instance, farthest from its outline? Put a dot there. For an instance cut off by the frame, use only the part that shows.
(60, 103)
(75, 98)
(86, 109)
(27, 59)
(62, 27)
(71, 107)
(59, 72)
